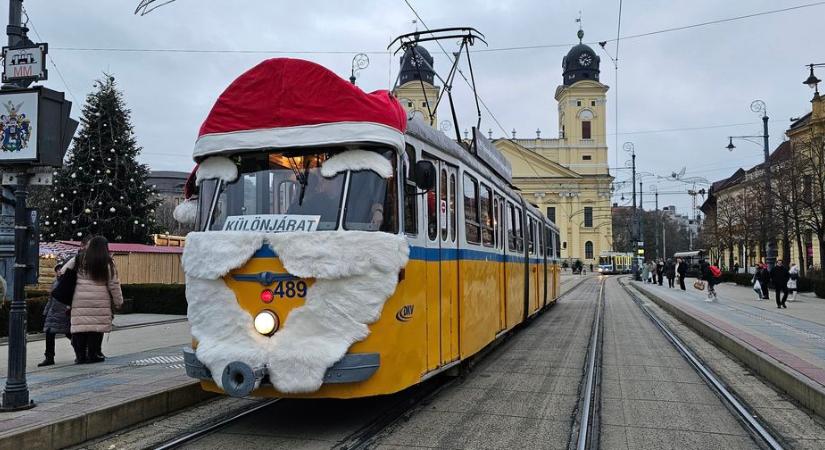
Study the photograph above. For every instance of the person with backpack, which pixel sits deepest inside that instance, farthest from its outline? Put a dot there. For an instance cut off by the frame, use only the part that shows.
(780, 277)
(710, 274)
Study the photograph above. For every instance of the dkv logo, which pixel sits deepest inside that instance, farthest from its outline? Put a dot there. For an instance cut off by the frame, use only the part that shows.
(404, 314)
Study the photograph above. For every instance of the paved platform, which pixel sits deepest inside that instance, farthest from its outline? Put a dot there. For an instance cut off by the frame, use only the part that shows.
(787, 346)
(142, 377)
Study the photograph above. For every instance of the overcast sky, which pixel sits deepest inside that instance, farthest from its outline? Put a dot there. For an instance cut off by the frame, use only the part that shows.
(696, 78)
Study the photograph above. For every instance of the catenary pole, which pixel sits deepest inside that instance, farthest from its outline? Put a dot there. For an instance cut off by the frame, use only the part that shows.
(16, 391)
(771, 241)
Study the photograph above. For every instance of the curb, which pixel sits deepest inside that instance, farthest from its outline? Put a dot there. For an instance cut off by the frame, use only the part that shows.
(73, 430)
(799, 387)
(33, 337)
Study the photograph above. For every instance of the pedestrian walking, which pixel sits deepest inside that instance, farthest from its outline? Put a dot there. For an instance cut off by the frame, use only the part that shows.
(97, 288)
(660, 270)
(756, 284)
(591, 267)
(779, 277)
(645, 273)
(681, 270)
(765, 280)
(56, 320)
(670, 273)
(793, 273)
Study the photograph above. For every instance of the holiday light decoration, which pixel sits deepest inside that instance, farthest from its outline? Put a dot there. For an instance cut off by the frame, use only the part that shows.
(102, 188)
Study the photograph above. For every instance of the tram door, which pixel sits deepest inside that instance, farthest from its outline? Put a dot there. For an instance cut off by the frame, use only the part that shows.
(442, 272)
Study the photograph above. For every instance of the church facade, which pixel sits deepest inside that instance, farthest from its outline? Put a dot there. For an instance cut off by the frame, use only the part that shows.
(566, 177)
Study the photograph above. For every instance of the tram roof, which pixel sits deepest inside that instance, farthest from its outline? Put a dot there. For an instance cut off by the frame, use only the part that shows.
(285, 102)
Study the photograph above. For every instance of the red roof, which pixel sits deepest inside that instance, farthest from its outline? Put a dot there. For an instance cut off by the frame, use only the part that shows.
(285, 92)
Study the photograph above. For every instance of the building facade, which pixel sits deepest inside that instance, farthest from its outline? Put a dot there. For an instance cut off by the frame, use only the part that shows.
(566, 177)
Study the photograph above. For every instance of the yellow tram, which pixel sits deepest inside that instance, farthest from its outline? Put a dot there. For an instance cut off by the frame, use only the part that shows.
(344, 250)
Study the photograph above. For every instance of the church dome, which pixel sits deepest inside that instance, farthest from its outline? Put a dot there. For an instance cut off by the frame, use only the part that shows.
(416, 64)
(580, 63)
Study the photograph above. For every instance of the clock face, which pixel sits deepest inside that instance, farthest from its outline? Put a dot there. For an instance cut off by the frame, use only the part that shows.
(585, 59)
(418, 61)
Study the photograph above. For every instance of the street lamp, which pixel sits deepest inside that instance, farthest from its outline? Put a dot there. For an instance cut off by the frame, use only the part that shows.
(630, 148)
(812, 80)
(359, 62)
(758, 106)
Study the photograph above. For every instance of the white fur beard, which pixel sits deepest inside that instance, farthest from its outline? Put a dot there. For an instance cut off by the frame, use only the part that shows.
(355, 273)
(187, 212)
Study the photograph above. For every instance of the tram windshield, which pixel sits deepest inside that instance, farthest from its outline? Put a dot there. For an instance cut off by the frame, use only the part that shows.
(291, 183)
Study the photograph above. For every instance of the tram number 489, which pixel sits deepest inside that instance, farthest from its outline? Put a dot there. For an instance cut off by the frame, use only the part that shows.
(290, 289)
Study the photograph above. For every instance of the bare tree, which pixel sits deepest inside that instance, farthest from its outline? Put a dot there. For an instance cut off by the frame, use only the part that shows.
(811, 154)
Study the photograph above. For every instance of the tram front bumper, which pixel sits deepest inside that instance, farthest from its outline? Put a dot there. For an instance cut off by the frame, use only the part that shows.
(238, 377)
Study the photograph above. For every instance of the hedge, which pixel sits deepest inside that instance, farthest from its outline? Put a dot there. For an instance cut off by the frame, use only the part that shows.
(156, 298)
(142, 298)
(34, 315)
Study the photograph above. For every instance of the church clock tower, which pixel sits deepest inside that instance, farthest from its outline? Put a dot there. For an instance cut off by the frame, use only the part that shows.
(582, 98)
(417, 70)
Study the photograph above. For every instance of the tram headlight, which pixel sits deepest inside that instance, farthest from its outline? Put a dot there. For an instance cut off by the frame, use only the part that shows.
(266, 323)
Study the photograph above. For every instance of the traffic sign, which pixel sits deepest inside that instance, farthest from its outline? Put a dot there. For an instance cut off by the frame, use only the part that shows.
(25, 63)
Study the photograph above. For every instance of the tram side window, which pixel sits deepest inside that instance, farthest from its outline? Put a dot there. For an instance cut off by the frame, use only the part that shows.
(519, 231)
(472, 228)
(410, 196)
(486, 216)
(432, 217)
(511, 228)
(451, 207)
(496, 224)
(540, 243)
(529, 234)
(443, 204)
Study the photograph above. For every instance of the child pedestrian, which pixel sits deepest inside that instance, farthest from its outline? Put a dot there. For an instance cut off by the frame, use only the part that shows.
(56, 321)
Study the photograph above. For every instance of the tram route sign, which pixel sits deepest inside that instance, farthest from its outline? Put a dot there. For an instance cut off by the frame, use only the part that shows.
(25, 63)
(272, 223)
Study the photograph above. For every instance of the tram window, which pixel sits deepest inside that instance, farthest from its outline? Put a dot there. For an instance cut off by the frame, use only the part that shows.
(432, 215)
(540, 243)
(531, 248)
(486, 216)
(471, 225)
(511, 227)
(371, 203)
(286, 195)
(410, 195)
(452, 207)
(519, 231)
(443, 205)
(496, 224)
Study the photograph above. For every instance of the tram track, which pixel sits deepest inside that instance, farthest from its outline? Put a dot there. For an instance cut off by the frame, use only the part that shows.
(399, 407)
(759, 431)
(585, 430)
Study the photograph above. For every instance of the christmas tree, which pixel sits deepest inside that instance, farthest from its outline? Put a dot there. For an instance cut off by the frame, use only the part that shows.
(101, 189)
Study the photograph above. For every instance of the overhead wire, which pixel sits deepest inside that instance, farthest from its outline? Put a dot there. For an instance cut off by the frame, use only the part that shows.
(49, 56)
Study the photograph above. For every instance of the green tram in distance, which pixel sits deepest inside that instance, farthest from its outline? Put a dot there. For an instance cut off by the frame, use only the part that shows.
(612, 263)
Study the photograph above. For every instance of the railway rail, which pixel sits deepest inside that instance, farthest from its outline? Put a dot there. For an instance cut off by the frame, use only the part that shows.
(367, 435)
(744, 413)
(587, 418)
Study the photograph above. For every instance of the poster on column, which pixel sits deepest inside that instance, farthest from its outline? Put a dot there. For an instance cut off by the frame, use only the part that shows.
(18, 126)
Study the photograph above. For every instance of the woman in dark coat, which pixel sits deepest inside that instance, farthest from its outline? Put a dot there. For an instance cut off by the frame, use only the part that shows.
(764, 277)
(56, 322)
(670, 272)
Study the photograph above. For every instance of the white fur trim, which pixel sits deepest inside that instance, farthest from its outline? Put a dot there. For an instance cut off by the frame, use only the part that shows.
(187, 212)
(357, 160)
(348, 294)
(300, 136)
(217, 167)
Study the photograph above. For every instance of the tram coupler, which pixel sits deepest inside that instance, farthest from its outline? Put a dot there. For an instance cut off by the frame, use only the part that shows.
(239, 379)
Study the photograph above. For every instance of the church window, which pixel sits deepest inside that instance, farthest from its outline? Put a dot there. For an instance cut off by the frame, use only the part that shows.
(592, 102)
(586, 129)
(588, 217)
(409, 104)
(551, 213)
(587, 157)
(424, 104)
(578, 102)
(588, 250)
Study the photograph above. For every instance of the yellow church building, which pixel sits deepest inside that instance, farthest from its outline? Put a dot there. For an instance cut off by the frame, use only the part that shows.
(567, 177)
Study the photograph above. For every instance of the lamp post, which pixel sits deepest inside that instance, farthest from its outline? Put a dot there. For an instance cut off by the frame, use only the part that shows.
(630, 148)
(758, 106)
(359, 62)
